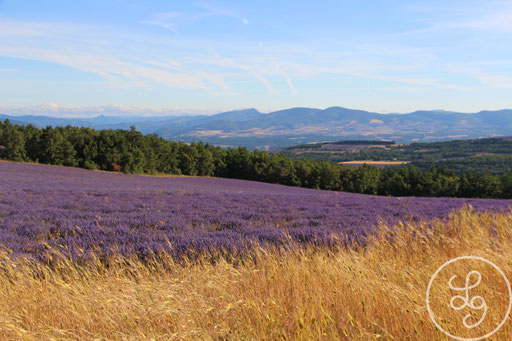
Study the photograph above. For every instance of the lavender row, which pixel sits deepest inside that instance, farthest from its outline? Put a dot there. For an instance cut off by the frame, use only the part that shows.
(79, 211)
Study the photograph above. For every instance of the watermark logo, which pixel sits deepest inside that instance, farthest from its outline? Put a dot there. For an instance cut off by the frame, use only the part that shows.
(469, 298)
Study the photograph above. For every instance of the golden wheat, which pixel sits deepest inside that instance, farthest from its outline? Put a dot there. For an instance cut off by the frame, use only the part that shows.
(371, 292)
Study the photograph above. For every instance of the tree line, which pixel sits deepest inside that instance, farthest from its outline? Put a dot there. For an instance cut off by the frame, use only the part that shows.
(132, 152)
(493, 155)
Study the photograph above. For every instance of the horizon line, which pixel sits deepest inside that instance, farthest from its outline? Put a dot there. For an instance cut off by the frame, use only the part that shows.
(116, 110)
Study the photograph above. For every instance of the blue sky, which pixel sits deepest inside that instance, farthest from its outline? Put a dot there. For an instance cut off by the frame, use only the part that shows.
(208, 56)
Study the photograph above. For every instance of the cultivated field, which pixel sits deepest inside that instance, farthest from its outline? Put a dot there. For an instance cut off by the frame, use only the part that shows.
(79, 212)
(102, 256)
(373, 163)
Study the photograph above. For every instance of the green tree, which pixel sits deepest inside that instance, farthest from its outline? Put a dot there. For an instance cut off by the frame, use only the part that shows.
(14, 142)
(56, 149)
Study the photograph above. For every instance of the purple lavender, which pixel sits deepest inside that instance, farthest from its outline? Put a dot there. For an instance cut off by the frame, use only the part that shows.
(79, 211)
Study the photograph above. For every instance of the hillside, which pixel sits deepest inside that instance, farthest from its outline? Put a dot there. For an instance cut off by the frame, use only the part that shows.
(487, 155)
(129, 151)
(75, 209)
(293, 126)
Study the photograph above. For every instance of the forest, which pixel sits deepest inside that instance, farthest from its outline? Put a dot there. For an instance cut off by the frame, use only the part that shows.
(485, 155)
(130, 151)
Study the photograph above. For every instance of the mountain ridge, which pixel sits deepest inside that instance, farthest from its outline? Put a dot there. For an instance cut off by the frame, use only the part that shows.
(282, 128)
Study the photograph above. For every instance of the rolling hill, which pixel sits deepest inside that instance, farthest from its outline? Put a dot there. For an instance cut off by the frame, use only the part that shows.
(484, 155)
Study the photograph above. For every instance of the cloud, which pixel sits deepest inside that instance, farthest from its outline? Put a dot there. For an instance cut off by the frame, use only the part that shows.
(56, 110)
(110, 57)
(165, 64)
(109, 67)
(288, 80)
(217, 80)
(259, 75)
(482, 16)
(216, 10)
(495, 81)
(127, 58)
(498, 21)
(171, 20)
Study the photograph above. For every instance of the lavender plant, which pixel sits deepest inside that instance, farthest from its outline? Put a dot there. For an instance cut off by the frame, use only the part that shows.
(80, 212)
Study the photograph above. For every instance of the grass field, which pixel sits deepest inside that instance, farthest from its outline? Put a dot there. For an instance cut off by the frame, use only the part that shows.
(376, 292)
(373, 163)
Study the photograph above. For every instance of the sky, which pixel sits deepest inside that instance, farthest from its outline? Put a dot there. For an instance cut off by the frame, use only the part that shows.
(212, 56)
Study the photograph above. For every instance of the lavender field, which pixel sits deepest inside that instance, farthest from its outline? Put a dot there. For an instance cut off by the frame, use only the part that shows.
(78, 212)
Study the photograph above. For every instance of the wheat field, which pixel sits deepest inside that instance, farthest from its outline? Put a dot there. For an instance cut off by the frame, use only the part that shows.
(371, 292)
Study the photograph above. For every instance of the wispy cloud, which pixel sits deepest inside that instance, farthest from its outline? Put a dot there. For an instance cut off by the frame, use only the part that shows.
(109, 67)
(165, 20)
(286, 77)
(78, 48)
(216, 10)
(171, 20)
(254, 71)
(56, 110)
(481, 16)
(495, 81)
(89, 49)
(164, 64)
(209, 62)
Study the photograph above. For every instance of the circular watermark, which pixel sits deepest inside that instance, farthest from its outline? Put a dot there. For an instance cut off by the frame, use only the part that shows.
(475, 307)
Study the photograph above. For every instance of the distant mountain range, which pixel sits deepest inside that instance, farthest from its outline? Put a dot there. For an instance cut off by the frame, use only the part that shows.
(293, 126)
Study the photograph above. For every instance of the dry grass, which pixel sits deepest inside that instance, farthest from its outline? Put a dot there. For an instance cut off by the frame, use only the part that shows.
(371, 293)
